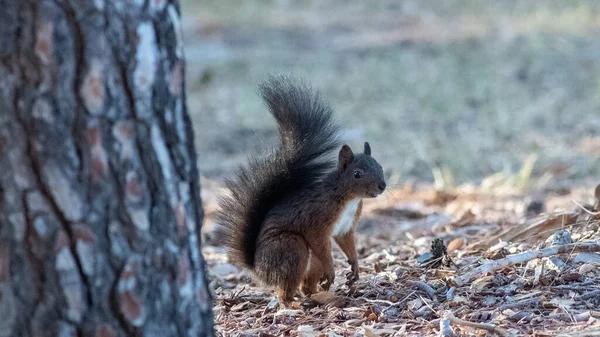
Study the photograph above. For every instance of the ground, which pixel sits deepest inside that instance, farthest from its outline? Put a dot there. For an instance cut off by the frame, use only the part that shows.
(492, 104)
(397, 296)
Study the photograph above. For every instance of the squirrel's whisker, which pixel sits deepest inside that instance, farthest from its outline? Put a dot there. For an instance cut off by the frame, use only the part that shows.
(393, 196)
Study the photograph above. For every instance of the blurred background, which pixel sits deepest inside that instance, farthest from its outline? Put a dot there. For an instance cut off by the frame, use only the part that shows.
(447, 92)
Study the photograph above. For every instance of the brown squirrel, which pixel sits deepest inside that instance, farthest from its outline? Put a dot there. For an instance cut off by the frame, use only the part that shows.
(282, 210)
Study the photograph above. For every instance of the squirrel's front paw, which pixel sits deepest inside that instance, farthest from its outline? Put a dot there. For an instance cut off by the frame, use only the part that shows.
(352, 275)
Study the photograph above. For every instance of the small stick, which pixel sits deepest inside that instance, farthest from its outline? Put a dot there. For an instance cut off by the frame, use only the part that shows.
(445, 328)
(588, 295)
(575, 286)
(581, 317)
(588, 247)
(585, 209)
(519, 304)
(450, 293)
(424, 287)
(491, 328)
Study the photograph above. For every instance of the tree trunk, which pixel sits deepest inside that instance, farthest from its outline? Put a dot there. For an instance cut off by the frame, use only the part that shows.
(100, 212)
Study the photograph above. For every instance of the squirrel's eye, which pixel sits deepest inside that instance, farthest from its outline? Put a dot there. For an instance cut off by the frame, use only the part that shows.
(358, 174)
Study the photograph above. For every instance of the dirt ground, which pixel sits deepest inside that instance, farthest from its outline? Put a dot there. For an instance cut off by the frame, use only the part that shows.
(555, 295)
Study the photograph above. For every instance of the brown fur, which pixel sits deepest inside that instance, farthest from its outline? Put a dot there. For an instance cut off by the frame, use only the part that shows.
(299, 228)
(283, 247)
(347, 245)
(281, 209)
(346, 242)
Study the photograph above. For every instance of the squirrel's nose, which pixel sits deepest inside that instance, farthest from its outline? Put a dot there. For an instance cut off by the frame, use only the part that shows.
(381, 186)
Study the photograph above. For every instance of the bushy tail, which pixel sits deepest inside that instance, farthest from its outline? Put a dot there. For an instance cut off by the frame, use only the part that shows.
(308, 136)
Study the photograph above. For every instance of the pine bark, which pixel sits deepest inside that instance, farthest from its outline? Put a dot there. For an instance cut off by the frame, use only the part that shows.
(100, 212)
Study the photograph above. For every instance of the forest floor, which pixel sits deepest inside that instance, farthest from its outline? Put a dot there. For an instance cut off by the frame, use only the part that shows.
(557, 294)
(502, 94)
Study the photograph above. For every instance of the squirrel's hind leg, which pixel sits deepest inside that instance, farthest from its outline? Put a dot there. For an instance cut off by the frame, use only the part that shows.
(320, 249)
(281, 260)
(312, 277)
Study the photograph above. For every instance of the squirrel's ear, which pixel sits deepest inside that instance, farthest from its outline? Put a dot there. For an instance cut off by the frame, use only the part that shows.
(367, 149)
(346, 157)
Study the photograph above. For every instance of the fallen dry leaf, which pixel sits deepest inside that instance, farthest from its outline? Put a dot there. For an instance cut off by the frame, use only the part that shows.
(240, 306)
(464, 219)
(540, 228)
(557, 296)
(587, 267)
(562, 302)
(306, 331)
(456, 244)
(323, 297)
(369, 332)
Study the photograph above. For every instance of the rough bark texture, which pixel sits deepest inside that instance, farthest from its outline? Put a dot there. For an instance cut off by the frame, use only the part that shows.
(100, 211)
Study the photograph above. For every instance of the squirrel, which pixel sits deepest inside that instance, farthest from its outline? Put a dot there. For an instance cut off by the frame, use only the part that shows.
(282, 209)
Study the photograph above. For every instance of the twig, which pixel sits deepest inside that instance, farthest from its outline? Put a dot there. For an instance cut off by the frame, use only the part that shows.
(389, 303)
(445, 328)
(519, 304)
(588, 247)
(581, 333)
(589, 295)
(465, 230)
(424, 287)
(405, 298)
(427, 305)
(575, 286)
(491, 328)
(450, 293)
(585, 209)
(580, 317)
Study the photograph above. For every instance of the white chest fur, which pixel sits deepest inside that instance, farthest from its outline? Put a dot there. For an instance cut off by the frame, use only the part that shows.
(346, 220)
